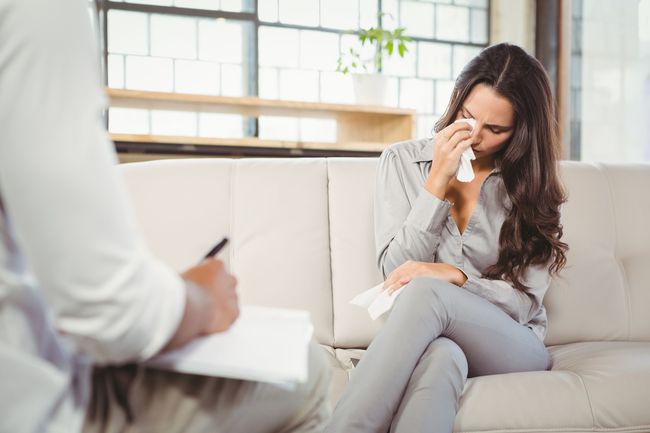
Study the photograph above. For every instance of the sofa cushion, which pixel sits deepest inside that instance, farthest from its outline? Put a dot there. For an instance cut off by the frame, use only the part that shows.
(274, 211)
(183, 206)
(609, 240)
(599, 386)
(280, 237)
(351, 198)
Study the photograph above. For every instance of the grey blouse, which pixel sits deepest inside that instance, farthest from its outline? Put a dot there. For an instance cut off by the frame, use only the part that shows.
(413, 224)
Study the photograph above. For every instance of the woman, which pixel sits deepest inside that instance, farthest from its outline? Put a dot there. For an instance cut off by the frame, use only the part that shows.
(474, 259)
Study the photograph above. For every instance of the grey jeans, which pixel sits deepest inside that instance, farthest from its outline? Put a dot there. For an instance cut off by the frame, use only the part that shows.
(133, 398)
(413, 373)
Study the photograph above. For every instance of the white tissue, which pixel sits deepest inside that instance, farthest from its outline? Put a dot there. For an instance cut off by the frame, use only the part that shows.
(465, 173)
(376, 300)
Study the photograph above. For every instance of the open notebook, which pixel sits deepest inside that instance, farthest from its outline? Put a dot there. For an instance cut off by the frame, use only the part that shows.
(264, 344)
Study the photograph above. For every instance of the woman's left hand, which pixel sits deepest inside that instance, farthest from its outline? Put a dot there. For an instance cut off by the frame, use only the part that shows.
(404, 273)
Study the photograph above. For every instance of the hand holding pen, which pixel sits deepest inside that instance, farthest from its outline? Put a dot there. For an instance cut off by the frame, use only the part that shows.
(219, 285)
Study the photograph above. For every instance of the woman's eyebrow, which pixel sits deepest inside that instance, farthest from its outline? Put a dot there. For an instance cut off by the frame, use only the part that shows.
(505, 128)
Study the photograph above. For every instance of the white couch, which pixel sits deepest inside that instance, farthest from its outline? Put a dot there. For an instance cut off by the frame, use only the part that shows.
(301, 235)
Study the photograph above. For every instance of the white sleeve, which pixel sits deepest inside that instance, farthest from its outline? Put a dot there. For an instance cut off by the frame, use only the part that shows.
(65, 200)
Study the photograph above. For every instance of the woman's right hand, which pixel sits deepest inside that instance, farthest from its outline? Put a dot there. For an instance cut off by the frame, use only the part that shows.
(449, 145)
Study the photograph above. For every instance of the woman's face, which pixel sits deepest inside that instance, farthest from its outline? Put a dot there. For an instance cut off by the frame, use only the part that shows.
(494, 117)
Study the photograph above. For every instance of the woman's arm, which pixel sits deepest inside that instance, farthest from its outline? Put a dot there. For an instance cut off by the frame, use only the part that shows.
(403, 230)
(521, 306)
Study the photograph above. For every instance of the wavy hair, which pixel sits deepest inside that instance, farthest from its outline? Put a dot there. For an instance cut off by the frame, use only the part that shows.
(531, 233)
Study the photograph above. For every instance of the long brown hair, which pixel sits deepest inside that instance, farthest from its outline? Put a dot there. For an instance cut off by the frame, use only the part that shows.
(531, 233)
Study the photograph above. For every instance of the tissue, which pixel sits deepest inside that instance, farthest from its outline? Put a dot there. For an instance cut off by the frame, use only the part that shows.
(465, 173)
(376, 300)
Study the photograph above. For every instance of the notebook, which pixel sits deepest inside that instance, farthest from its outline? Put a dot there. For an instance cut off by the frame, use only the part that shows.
(264, 344)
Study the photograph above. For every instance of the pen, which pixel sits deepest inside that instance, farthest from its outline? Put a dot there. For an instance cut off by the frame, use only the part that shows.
(216, 248)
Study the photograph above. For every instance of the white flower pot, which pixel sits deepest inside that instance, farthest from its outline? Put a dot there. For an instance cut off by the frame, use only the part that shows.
(370, 89)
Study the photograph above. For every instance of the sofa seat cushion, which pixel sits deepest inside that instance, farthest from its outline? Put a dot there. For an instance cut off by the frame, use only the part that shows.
(593, 386)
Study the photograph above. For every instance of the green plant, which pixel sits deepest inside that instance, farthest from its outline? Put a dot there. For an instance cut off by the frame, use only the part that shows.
(385, 43)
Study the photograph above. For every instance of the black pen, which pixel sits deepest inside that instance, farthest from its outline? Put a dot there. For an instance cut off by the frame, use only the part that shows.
(216, 248)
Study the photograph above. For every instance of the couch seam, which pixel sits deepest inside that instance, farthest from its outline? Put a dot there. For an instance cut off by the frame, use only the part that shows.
(231, 224)
(591, 408)
(626, 290)
(329, 237)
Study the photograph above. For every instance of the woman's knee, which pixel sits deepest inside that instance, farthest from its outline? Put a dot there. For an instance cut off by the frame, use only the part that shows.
(445, 351)
(424, 290)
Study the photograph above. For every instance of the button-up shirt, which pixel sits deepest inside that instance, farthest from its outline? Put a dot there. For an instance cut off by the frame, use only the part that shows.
(413, 224)
(72, 261)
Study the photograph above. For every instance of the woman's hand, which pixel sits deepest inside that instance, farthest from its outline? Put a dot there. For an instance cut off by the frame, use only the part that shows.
(449, 145)
(406, 272)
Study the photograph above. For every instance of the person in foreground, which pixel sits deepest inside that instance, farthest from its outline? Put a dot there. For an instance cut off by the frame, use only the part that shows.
(474, 259)
(77, 283)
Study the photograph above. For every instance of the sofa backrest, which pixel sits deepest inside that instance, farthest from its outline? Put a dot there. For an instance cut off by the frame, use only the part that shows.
(301, 235)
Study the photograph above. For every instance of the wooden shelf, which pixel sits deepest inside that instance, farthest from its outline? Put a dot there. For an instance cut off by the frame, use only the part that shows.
(365, 128)
(245, 142)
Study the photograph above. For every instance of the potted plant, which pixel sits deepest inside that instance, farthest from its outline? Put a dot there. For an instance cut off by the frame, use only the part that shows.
(369, 84)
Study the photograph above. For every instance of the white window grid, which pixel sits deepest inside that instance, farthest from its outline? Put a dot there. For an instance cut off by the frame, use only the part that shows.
(423, 81)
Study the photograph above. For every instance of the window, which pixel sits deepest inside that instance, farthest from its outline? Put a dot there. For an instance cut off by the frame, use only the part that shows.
(610, 81)
(280, 49)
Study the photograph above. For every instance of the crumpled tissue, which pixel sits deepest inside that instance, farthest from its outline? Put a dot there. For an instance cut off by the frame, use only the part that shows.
(376, 300)
(465, 173)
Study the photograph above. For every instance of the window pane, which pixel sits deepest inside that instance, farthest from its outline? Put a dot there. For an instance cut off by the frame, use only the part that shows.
(149, 73)
(417, 18)
(317, 130)
(462, 56)
(479, 26)
(115, 71)
(128, 120)
(197, 77)
(340, 14)
(267, 10)
(232, 82)
(368, 13)
(278, 47)
(221, 40)
(444, 89)
(418, 94)
(173, 36)
(198, 4)
(401, 66)
(391, 9)
(425, 126)
(221, 125)
(613, 104)
(452, 23)
(434, 60)
(278, 128)
(301, 12)
(299, 85)
(474, 3)
(232, 5)
(336, 87)
(392, 92)
(319, 50)
(268, 83)
(168, 122)
(128, 32)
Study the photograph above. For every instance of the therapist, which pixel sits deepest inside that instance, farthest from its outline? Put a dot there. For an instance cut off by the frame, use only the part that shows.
(78, 285)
